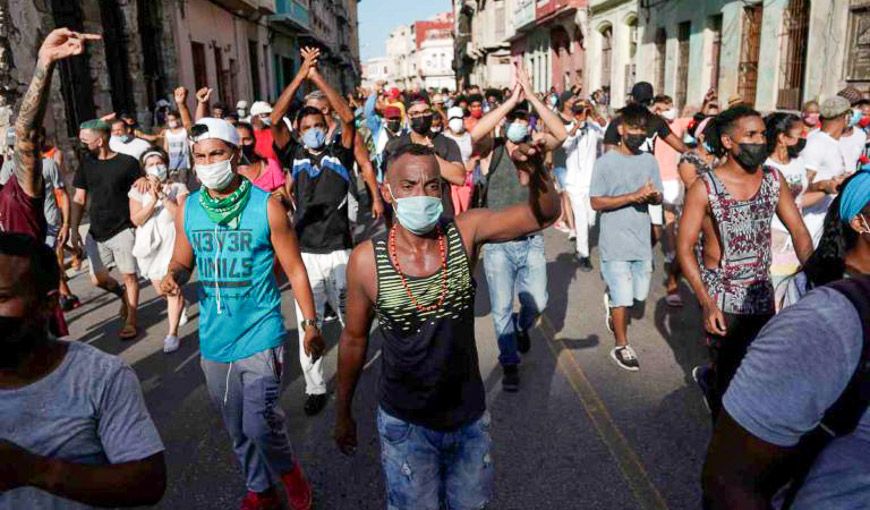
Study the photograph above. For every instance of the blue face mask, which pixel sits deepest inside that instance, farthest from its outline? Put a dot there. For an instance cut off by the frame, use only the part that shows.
(857, 115)
(707, 147)
(517, 132)
(418, 214)
(314, 138)
(689, 139)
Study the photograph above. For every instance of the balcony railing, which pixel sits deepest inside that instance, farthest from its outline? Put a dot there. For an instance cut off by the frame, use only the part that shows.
(293, 13)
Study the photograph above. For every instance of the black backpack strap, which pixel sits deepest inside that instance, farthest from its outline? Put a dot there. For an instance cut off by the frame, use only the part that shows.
(843, 415)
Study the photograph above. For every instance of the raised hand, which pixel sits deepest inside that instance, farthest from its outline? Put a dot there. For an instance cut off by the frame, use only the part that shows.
(523, 79)
(203, 95)
(62, 43)
(309, 58)
(180, 95)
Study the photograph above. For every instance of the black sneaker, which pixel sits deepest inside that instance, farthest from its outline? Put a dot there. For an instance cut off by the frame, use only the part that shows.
(585, 264)
(329, 314)
(626, 358)
(510, 381)
(314, 404)
(524, 343)
(68, 303)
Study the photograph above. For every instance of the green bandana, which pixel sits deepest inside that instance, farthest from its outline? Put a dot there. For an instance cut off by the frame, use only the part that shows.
(228, 210)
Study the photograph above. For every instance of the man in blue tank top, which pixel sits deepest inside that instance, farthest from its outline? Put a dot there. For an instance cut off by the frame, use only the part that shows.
(432, 419)
(233, 232)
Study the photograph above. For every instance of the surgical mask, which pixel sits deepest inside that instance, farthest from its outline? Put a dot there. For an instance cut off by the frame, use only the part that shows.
(634, 142)
(159, 171)
(811, 119)
(689, 139)
(436, 129)
(857, 115)
(456, 125)
(554, 100)
(216, 176)
(122, 139)
(418, 214)
(421, 124)
(751, 155)
(242, 113)
(266, 121)
(795, 150)
(314, 138)
(173, 124)
(517, 132)
(249, 152)
(394, 125)
(707, 147)
(670, 114)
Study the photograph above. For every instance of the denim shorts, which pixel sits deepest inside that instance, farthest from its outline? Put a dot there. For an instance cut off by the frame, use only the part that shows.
(627, 280)
(427, 469)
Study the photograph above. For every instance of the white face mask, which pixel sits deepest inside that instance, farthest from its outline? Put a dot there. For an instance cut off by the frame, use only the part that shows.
(173, 124)
(456, 125)
(158, 171)
(216, 176)
(670, 114)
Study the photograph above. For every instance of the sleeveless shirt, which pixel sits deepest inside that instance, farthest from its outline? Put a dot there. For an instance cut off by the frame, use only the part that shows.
(430, 374)
(179, 150)
(239, 302)
(741, 284)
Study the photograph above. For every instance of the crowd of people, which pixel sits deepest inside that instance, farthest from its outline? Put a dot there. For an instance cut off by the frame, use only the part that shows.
(378, 205)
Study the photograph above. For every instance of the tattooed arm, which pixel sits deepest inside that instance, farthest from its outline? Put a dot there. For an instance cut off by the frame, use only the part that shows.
(60, 44)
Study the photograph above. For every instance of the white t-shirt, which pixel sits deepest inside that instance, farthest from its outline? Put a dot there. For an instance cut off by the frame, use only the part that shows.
(581, 151)
(852, 146)
(795, 176)
(824, 156)
(463, 141)
(135, 147)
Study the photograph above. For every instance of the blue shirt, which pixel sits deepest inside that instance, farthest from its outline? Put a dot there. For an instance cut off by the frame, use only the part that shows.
(239, 301)
(794, 371)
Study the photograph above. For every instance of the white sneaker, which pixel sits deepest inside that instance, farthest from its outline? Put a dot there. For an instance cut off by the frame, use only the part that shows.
(608, 318)
(183, 319)
(626, 358)
(171, 344)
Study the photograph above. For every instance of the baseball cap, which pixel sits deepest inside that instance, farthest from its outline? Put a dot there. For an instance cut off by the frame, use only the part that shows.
(394, 93)
(642, 92)
(392, 112)
(96, 125)
(210, 127)
(834, 106)
(852, 94)
(260, 107)
(455, 112)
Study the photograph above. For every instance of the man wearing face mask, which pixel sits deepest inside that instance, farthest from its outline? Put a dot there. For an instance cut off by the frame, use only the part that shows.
(625, 182)
(418, 279)
(461, 195)
(321, 179)
(261, 119)
(854, 139)
(101, 185)
(233, 232)
(517, 268)
(825, 160)
(124, 141)
(447, 151)
(475, 111)
(108, 452)
(733, 205)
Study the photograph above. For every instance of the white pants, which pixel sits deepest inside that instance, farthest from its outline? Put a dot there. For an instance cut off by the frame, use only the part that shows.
(327, 273)
(584, 217)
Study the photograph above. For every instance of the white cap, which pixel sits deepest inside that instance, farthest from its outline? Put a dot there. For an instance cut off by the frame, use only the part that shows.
(242, 105)
(210, 127)
(455, 112)
(260, 107)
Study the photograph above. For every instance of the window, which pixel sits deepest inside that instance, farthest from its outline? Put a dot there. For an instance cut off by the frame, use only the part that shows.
(254, 64)
(630, 68)
(219, 71)
(858, 67)
(661, 58)
(499, 20)
(715, 50)
(606, 55)
(683, 30)
(793, 47)
(749, 50)
(200, 74)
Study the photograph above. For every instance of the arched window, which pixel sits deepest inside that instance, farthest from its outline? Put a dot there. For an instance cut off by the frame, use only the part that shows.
(606, 55)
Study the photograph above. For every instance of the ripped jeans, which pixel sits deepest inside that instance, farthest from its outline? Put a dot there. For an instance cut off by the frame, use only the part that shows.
(428, 469)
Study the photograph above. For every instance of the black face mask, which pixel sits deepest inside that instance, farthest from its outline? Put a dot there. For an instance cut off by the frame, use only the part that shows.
(751, 156)
(248, 154)
(795, 150)
(394, 125)
(85, 151)
(421, 124)
(634, 142)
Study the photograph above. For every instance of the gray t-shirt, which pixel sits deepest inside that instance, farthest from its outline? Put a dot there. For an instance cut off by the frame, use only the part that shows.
(624, 232)
(89, 410)
(53, 180)
(794, 371)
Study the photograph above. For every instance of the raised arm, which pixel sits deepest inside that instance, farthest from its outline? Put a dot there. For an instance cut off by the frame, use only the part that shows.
(353, 343)
(202, 106)
(280, 133)
(556, 134)
(59, 44)
(181, 103)
(338, 104)
(487, 124)
(479, 226)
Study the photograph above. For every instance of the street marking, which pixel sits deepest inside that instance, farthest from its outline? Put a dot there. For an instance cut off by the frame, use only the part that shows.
(185, 362)
(645, 492)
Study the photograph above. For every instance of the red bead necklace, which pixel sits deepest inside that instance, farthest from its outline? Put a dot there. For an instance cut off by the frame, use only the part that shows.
(391, 246)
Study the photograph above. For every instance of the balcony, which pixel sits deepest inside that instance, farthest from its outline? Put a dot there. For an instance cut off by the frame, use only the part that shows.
(524, 14)
(267, 7)
(242, 7)
(292, 14)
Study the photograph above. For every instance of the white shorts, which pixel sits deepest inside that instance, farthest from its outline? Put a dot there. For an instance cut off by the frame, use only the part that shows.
(656, 215)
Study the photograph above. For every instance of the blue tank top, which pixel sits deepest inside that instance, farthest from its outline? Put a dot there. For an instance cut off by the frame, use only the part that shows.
(239, 302)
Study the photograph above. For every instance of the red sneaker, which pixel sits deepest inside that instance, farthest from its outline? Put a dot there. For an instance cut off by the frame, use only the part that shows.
(261, 501)
(298, 489)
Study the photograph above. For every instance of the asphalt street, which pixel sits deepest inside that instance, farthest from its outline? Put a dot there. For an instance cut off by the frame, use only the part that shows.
(580, 433)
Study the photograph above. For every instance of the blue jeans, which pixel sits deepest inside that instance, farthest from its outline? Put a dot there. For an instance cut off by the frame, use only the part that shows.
(427, 469)
(515, 267)
(627, 280)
